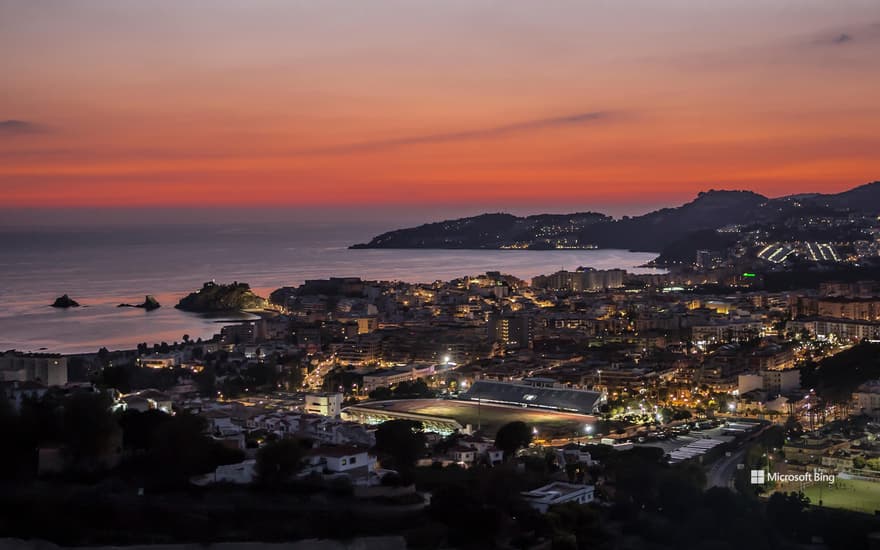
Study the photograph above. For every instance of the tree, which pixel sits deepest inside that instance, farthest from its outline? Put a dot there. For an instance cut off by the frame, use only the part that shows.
(91, 432)
(468, 520)
(206, 381)
(118, 377)
(402, 440)
(139, 428)
(575, 526)
(381, 394)
(786, 512)
(513, 436)
(180, 449)
(416, 388)
(278, 461)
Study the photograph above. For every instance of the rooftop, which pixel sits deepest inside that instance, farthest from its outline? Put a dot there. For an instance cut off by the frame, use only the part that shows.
(580, 401)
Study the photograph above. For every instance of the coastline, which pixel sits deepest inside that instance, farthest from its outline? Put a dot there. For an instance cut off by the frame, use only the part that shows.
(102, 276)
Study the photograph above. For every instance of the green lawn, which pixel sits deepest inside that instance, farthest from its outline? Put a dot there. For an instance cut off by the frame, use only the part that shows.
(848, 494)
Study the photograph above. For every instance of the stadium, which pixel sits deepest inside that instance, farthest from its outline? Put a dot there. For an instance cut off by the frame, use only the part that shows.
(535, 393)
(553, 412)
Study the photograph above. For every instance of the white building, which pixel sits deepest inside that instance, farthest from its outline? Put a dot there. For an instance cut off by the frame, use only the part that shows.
(463, 455)
(146, 400)
(242, 473)
(558, 493)
(324, 404)
(160, 360)
(391, 377)
(749, 382)
(720, 331)
(46, 368)
(332, 461)
(771, 381)
(781, 381)
(867, 398)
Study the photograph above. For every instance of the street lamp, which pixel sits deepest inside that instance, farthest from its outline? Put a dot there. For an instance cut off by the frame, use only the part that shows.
(588, 431)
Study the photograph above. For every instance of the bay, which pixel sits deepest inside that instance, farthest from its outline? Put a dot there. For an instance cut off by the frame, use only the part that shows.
(103, 266)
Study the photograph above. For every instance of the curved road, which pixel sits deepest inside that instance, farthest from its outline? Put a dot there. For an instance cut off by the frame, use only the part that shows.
(722, 471)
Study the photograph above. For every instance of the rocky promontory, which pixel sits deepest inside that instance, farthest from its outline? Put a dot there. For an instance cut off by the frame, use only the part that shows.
(150, 303)
(65, 302)
(218, 298)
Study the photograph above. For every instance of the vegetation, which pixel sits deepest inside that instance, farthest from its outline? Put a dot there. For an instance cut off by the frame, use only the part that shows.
(152, 447)
(513, 436)
(278, 461)
(417, 389)
(649, 504)
(836, 377)
(402, 441)
(215, 297)
(484, 231)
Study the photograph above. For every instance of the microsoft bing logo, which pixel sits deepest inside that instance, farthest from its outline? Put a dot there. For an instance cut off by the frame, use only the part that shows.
(758, 477)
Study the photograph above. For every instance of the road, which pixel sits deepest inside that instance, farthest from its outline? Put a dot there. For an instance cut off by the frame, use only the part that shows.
(722, 472)
(315, 379)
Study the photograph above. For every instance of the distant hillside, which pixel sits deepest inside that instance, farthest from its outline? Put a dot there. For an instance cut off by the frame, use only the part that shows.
(491, 231)
(864, 198)
(653, 231)
(682, 227)
(684, 250)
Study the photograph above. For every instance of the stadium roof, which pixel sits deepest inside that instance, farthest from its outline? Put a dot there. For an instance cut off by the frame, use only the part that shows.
(561, 399)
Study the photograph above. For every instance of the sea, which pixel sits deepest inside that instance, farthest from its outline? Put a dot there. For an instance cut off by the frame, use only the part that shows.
(103, 266)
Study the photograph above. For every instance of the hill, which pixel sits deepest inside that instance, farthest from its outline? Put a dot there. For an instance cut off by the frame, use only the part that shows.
(653, 231)
(864, 198)
(492, 231)
(213, 297)
(683, 227)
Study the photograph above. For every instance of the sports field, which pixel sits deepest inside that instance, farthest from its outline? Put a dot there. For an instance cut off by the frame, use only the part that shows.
(848, 494)
(549, 424)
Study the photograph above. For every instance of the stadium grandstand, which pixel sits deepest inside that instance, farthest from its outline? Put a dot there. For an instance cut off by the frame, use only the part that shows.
(532, 393)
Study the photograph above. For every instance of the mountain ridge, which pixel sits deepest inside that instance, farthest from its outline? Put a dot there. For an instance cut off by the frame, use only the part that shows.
(650, 232)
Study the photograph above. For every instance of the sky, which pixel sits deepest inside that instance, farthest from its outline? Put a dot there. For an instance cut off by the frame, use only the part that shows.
(417, 108)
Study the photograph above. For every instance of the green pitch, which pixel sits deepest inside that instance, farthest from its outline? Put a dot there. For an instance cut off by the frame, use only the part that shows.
(848, 494)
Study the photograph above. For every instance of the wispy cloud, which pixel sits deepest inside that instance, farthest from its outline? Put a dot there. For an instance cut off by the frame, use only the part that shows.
(863, 34)
(834, 48)
(573, 120)
(18, 127)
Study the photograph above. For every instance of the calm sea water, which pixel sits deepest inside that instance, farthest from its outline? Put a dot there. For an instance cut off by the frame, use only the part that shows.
(101, 267)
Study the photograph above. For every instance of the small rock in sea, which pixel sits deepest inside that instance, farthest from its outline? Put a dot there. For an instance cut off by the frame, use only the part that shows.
(65, 302)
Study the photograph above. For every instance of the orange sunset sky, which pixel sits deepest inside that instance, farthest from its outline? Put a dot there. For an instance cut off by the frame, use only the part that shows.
(509, 104)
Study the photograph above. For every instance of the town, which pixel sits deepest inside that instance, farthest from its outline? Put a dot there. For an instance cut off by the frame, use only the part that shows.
(400, 394)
